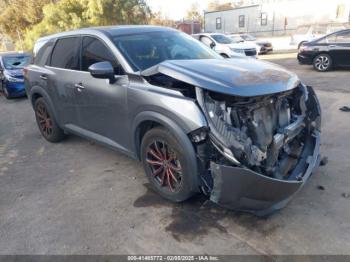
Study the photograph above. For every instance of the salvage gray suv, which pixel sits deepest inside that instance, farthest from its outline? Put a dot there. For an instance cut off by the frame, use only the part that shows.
(244, 132)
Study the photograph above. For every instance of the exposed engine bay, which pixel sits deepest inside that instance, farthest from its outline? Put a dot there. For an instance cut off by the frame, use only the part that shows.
(266, 134)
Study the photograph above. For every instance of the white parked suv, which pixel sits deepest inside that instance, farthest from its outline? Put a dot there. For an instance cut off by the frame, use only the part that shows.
(308, 33)
(225, 46)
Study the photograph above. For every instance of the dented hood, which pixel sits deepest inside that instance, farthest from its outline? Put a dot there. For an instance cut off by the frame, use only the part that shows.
(239, 76)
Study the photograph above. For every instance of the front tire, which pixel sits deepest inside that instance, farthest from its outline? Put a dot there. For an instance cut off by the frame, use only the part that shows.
(46, 122)
(167, 165)
(6, 92)
(322, 62)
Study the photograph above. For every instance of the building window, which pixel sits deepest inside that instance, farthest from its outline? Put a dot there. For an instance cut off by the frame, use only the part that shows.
(241, 20)
(263, 18)
(218, 23)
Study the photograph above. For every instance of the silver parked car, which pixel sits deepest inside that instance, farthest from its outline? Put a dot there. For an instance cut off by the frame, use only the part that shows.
(242, 131)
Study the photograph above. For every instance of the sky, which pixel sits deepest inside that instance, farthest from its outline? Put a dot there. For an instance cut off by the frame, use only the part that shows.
(176, 9)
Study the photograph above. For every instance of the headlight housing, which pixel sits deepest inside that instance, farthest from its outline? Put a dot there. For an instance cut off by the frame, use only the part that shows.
(240, 51)
(11, 78)
(305, 48)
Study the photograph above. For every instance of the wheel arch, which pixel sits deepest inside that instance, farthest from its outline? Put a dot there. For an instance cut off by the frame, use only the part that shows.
(37, 92)
(224, 55)
(147, 120)
(301, 43)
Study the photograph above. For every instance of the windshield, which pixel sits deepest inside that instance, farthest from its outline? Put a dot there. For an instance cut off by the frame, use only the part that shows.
(16, 62)
(248, 37)
(145, 50)
(221, 39)
(336, 28)
(236, 38)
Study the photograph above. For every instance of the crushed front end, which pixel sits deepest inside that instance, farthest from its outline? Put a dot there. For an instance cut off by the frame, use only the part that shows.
(259, 150)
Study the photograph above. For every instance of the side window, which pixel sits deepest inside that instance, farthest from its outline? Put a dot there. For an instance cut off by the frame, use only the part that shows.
(66, 53)
(343, 37)
(331, 38)
(218, 23)
(43, 53)
(241, 21)
(94, 51)
(206, 40)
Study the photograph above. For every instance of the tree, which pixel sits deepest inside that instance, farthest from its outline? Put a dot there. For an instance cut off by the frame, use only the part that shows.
(159, 19)
(194, 13)
(72, 14)
(20, 15)
(215, 5)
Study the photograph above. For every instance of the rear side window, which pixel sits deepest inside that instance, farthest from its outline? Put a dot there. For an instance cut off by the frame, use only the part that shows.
(43, 53)
(343, 37)
(94, 51)
(66, 53)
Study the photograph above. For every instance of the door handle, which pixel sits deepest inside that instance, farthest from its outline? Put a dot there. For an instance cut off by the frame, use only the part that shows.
(332, 46)
(79, 87)
(43, 77)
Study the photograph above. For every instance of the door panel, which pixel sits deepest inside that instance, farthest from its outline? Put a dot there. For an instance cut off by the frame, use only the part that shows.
(61, 77)
(101, 106)
(340, 49)
(60, 86)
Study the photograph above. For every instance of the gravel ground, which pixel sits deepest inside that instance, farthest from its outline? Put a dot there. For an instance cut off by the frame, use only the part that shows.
(77, 197)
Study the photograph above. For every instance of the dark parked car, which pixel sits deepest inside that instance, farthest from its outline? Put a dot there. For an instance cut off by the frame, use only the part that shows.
(327, 52)
(244, 132)
(11, 73)
(264, 45)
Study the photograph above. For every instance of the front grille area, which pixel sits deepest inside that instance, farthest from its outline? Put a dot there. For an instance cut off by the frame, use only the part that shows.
(250, 52)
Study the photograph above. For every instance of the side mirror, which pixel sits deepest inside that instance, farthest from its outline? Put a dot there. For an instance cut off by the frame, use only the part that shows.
(103, 70)
(212, 45)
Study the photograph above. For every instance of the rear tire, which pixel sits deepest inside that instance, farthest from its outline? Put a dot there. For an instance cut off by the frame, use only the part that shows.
(6, 93)
(322, 62)
(167, 165)
(46, 122)
(225, 56)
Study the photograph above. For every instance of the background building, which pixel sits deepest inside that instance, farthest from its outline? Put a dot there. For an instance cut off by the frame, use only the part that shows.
(276, 17)
(189, 26)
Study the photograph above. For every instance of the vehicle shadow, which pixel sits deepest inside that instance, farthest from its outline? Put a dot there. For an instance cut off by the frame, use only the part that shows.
(197, 216)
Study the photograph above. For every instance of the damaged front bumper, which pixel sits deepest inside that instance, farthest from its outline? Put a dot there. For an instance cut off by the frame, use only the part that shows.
(270, 149)
(242, 189)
